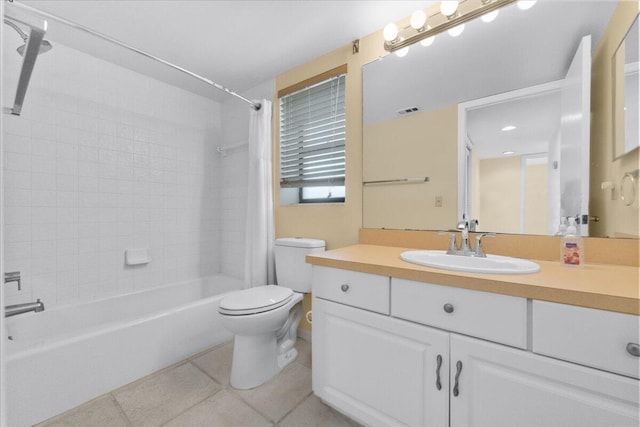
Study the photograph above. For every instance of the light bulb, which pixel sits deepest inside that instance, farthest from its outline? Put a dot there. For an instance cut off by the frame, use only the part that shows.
(428, 41)
(488, 17)
(456, 31)
(390, 32)
(400, 53)
(418, 19)
(526, 4)
(448, 7)
(508, 128)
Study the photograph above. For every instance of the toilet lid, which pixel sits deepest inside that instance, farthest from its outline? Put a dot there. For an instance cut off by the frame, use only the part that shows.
(255, 300)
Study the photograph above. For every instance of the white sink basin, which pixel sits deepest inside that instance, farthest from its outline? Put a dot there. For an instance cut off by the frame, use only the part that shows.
(494, 264)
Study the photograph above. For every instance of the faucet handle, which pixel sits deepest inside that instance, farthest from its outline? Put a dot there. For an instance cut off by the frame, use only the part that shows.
(479, 251)
(452, 241)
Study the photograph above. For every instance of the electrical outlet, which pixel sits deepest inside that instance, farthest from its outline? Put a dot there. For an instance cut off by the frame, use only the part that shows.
(438, 201)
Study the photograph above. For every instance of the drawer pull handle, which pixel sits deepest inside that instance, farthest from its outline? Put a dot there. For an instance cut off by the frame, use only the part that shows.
(633, 349)
(448, 308)
(344, 287)
(438, 383)
(456, 392)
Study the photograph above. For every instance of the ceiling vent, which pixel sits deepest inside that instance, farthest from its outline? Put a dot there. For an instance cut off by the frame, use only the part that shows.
(409, 110)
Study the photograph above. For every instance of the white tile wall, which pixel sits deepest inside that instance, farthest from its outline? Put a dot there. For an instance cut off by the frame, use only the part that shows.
(234, 167)
(103, 159)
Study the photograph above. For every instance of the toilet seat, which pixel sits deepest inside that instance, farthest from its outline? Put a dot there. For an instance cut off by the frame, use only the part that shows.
(255, 300)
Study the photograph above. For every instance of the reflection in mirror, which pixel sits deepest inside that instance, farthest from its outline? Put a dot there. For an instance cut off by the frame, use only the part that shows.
(626, 81)
(513, 71)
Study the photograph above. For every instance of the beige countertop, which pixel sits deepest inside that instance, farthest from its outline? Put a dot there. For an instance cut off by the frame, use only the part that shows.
(600, 286)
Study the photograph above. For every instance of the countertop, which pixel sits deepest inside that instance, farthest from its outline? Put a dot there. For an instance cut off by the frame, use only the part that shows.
(600, 286)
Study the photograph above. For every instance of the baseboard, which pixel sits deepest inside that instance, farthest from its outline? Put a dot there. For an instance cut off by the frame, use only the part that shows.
(304, 334)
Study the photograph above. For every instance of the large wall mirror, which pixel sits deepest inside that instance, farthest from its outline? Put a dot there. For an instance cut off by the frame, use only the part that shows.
(492, 124)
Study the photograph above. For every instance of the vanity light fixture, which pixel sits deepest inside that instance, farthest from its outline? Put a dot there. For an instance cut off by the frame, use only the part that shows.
(451, 17)
(526, 4)
(448, 7)
(488, 17)
(508, 128)
(402, 52)
(456, 31)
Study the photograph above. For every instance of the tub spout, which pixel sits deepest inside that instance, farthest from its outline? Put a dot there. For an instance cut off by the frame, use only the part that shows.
(12, 310)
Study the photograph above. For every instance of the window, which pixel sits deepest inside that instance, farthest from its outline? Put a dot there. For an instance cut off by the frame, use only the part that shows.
(312, 142)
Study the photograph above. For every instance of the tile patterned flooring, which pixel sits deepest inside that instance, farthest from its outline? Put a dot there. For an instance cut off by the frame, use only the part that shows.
(196, 392)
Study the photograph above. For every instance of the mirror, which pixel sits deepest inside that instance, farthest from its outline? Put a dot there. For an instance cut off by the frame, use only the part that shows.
(626, 87)
(446, 111)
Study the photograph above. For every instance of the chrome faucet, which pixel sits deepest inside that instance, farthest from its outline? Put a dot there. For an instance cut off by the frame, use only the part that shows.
(12, 310)
(465, 249)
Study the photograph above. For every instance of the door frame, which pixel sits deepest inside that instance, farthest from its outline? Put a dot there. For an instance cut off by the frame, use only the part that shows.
(463, 137)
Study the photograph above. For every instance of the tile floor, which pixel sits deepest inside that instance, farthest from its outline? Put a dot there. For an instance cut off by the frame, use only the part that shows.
(196, 392)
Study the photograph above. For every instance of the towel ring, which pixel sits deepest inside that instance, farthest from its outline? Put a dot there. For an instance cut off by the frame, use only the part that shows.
(628, 177)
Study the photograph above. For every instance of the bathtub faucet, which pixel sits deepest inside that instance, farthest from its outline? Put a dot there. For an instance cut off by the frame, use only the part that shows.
(12, 310)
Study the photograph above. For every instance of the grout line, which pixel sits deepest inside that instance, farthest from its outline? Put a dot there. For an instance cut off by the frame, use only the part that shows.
(113, 398)
(236, 394)
(295, 407)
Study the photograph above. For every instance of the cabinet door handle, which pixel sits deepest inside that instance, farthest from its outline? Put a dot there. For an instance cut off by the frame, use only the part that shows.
(633, 349)
(456, 392)
(438, 383)
(344, 287)
(448, 308)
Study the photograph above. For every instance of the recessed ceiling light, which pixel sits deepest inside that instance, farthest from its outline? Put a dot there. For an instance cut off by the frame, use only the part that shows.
(506, 153)
(508, 128)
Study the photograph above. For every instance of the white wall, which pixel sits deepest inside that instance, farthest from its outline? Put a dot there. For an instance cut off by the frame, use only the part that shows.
(103, 159)
(234, 167)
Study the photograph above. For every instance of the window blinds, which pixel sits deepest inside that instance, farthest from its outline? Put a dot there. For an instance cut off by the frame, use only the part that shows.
(312, 135)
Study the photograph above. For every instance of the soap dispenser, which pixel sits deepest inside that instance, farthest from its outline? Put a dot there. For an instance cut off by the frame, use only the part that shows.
(572, 247)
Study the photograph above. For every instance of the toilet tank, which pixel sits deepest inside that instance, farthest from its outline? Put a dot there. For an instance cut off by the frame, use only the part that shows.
(291, 269)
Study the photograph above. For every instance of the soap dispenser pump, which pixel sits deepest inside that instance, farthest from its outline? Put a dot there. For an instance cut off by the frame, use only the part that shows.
(572, 247)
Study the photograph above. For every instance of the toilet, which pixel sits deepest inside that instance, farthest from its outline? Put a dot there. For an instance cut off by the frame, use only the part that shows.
(264, 319)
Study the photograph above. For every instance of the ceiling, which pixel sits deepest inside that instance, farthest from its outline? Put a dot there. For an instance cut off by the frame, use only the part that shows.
(237, 44)
(536, 118)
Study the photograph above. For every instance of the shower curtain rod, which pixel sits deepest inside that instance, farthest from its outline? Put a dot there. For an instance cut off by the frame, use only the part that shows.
(255, 105)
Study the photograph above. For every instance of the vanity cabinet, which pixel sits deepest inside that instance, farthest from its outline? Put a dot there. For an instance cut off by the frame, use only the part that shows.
(419, 362)
(380, 370)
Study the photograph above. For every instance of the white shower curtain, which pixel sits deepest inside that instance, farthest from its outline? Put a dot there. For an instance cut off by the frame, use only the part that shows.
(259, 238)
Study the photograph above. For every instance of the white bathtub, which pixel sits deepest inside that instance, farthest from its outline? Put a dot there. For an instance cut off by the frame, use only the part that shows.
(60, 358)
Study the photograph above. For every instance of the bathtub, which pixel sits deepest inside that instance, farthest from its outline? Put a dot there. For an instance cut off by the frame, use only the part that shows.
(60, 358)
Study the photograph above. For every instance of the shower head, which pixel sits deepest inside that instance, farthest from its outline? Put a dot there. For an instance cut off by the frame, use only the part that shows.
(45, 45)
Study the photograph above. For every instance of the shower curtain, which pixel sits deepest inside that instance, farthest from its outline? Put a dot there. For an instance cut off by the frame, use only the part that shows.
(259, 238)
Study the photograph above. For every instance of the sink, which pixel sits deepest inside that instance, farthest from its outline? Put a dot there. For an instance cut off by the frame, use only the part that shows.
(493, 264)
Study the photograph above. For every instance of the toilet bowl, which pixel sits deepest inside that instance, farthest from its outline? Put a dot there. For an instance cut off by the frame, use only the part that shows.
(264, 319)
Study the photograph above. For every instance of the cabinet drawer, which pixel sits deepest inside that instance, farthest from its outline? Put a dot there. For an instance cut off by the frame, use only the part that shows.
(362, 290)
(587, 336)
(494, 317)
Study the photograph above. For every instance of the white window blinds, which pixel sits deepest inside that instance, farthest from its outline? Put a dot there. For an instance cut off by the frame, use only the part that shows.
(312, 135)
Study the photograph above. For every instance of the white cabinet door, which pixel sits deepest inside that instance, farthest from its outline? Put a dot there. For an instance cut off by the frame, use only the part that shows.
(379, 370)
(502, 386)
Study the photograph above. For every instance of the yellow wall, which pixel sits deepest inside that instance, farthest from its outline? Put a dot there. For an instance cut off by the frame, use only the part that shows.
(500, 181)
(337, 223)
(536, 202)
(415, 146)
(614, 216)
